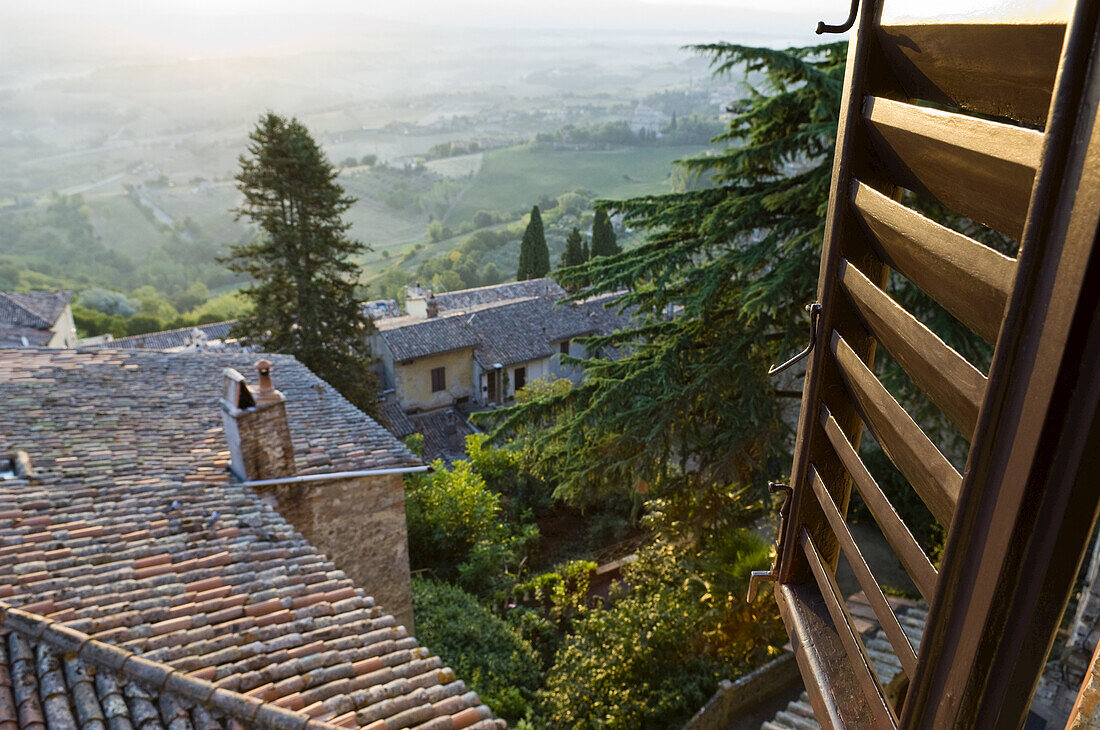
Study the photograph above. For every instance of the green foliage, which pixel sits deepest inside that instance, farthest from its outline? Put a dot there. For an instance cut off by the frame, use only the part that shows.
(525, 496)
(574, 252)
(455, 530)
(415, 442)
(491, 656)
(655, 656)
(534, 256)
(603, 236)
(435, 231)
(9, 275)
(107, 302)
(303, 265)
(228, 306)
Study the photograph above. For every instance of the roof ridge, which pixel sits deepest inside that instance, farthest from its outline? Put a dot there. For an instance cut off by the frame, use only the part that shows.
(249, 711)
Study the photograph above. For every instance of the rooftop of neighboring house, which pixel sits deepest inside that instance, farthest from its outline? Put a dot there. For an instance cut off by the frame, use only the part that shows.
(507, 332)
(466, 298)
(26, 317)
(157, 592)
(411, 337)
(444, 431)
(215, 334)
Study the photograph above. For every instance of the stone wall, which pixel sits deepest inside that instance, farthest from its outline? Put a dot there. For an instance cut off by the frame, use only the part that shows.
(359, 523)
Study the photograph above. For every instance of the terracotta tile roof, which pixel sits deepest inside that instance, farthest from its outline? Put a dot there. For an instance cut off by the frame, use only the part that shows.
(396, 420)
(173, 339)
(130, 415)
(179, 599)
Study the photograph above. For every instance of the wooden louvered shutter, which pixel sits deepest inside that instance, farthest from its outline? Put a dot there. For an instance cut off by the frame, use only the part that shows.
(994, 117)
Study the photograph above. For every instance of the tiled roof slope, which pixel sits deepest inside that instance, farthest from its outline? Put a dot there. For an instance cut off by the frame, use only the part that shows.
(396, 420)
(107, 414)
(521, 331)
(508, 332)
(37, 309)
(172, 339)
(411, 337)
(183, 581)
(466, 298)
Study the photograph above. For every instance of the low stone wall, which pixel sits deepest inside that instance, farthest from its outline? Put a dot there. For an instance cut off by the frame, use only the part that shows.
(738, 697)
(359, 523)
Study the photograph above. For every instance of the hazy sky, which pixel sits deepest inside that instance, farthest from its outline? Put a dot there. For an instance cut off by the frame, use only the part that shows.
(655, 14)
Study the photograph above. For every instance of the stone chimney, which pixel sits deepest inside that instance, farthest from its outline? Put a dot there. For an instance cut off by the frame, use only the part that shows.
(431, 307)
(256, 427)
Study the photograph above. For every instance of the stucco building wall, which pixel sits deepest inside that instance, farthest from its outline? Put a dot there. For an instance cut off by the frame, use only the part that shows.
(413, 380)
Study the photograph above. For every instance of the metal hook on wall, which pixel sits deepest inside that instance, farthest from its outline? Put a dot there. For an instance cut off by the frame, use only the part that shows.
(822, 27)
(815, 311)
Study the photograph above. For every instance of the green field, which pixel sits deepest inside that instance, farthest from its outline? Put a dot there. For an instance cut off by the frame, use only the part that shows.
(459, 167)
(514, 178)
(122, 227)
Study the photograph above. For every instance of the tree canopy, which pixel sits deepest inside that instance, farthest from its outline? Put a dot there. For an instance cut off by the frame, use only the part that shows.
(534, 255)
(301, 265)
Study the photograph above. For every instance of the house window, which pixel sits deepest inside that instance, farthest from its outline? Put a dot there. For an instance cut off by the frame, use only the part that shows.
(565, 347)
(439, 379)
(520, 377)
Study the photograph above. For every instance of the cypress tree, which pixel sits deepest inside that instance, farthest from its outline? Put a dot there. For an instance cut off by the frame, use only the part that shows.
(534, 255)
(302, 262)
(585, 255)
(574, 253)
(603, 235)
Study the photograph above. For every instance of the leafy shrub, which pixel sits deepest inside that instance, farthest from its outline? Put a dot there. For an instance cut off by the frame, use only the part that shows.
(482, 649)
(658, 653)
(455, 529)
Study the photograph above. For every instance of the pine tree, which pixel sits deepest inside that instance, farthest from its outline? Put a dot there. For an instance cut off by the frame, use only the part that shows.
(301, 263)
(736, 260)
(534, 255)
(574, 251)
(603, 235)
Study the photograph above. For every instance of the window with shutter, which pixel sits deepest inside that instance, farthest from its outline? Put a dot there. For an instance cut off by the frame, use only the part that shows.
(994, 118)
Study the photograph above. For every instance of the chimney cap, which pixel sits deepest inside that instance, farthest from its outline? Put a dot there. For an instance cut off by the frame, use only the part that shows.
(266, 392)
